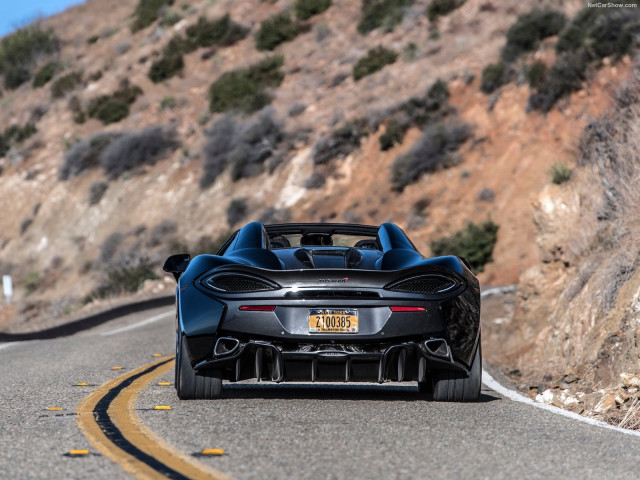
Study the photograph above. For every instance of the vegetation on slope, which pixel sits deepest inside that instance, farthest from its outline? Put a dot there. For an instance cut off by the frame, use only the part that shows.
(474, 242)
(21, 51)
(245, 89)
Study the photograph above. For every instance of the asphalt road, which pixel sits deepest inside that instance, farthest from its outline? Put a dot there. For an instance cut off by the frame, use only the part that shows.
(289, 430)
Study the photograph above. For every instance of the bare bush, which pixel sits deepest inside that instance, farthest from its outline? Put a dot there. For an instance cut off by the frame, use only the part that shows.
(237, 210)
(97, 191)
(110, 246)
(136, 149)
(275, 215)
(434, 150)
(159, 233)
(85, 154)
(244, 146)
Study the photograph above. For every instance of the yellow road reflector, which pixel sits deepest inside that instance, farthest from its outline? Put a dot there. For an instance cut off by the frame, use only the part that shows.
(116, 368)
(54, 408)
(157, 354)
(162, 407)
(164, 384)
(82, 384)
(212, 451)
(78, 452)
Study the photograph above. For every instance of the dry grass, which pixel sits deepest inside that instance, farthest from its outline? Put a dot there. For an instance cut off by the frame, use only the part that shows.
(632, 419)
(608, 232)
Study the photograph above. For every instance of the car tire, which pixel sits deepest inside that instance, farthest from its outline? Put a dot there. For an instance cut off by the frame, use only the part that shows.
(426, 387)
(206, 384)
(451, 386)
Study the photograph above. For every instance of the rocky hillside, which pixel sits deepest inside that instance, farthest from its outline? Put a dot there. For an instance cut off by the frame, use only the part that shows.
(574, 339)
(137, 128)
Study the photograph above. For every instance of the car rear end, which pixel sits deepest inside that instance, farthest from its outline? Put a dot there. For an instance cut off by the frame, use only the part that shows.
(332, 324)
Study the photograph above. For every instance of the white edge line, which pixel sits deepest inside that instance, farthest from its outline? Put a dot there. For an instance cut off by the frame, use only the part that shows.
(490, 382)
(5, 345)
(139, 324)
(493, 384)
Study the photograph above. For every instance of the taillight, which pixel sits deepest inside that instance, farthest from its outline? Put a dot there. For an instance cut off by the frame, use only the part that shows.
(258, 308)
(407, 309)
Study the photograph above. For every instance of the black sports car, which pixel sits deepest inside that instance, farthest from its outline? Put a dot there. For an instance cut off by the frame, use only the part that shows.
(326, 302)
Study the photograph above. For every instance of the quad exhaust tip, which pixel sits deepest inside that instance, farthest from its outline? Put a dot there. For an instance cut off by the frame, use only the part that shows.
(438, 347)
(226, 346)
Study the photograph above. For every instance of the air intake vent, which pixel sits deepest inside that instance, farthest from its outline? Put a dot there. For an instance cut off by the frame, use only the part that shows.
(238, 284)
(427, 284)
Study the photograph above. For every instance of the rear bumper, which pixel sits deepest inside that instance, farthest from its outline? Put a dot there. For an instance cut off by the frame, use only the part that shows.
(291, 324)
(263, 360)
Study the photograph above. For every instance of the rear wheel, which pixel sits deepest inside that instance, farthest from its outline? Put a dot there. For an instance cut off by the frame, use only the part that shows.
(453, 387)
(204, 384)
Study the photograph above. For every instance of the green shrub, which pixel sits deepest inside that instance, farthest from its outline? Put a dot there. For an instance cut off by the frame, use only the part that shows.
(170, 18)
(434, 150)
(204, 33)
(536, 74)
(560, 173)
(124, 280)
(440, 8)
(93, 39)
(113, 108)
(594, 33)
(438, 94)
(166, 67)
(306, 9)
(410, 52)
(223, 32)
(341, 142)
(601, 32)
(244, 89)
(135, 149)
(15, 134)
(45, 74)
(65, 84)
(276, 29)
(168, 103)
(20, 51)
(146, 13)
(474, 242)
(31, 282)
(492, 77)
(566, 76)
(375, 59)
(393, 135)
(381, 13)
(525, 34)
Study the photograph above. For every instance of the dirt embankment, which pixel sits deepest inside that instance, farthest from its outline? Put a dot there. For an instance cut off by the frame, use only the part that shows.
(573, 340)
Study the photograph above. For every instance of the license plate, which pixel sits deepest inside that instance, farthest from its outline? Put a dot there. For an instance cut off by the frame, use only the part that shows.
(333, 320)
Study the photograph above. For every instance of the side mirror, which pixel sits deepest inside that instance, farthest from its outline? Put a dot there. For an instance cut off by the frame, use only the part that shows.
(177, 264)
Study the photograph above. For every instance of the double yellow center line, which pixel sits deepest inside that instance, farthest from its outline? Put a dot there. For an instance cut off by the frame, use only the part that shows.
(108, 420)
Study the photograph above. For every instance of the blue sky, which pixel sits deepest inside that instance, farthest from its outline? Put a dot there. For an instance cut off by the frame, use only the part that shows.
(15, 13)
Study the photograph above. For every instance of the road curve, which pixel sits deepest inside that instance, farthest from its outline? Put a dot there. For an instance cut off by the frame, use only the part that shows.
(282, 431)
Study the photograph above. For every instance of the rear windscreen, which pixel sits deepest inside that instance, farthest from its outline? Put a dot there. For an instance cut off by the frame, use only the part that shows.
(295, 240)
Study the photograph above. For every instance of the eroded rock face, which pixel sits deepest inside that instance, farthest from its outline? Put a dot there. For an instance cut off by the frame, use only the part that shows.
(578, 310)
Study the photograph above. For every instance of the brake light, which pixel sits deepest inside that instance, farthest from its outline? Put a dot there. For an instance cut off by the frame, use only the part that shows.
(407, 309)
(258, 308)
